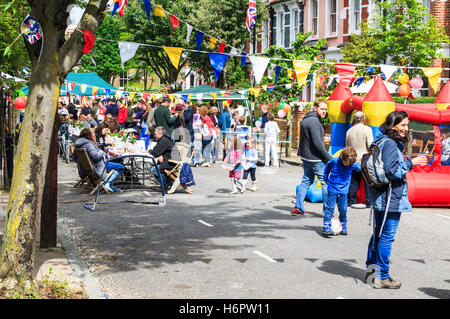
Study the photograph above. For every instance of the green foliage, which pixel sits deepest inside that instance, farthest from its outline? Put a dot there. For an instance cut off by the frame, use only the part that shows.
(407, 33)
(417, 100)
(301, 51)
(13, 53)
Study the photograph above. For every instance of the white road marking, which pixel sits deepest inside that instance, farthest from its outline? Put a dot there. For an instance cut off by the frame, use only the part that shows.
(264, 256)
(205, 223)
(443, 216)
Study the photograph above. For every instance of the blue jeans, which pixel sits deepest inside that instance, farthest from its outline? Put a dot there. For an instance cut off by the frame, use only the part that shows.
(341, 200)
(378, 255)
(115, 166)
(163, 176)
(310, 170)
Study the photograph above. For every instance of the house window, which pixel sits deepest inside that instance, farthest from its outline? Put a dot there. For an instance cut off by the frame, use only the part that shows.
(274, 29)
(333, 16)
(315, 10)
(296, 24)
(357, 13)
(287, 30)
(123, 80)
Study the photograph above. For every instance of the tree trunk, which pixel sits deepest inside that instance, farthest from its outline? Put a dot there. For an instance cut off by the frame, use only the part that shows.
(49, 71)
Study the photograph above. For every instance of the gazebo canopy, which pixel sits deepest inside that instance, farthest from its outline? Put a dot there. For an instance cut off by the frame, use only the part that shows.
(91, 80)
(206, 90)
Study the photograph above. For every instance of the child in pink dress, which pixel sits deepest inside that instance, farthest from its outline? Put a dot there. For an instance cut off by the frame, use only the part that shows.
(234, 157)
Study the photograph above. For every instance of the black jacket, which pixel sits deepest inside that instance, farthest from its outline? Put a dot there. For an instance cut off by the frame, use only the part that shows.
(168, 150)
(312, 146)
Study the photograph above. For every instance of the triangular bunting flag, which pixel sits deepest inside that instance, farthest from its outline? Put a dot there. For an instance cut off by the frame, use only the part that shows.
(189, 31)
(212, 42)
(218, 61)
(222, 47)
(244, 59)
(127, 51)
(175, 22)
(302, 69)
(345, 72)
(174, 55)
(433, 75)
(214, 95)
(259, 66)
(388, 70)
(89, 40)
(159, 11)
(148, 8)
(199, 37)
(83, 88)
(94, 90)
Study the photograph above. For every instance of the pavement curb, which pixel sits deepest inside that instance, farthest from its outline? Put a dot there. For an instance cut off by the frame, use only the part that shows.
(81, 271)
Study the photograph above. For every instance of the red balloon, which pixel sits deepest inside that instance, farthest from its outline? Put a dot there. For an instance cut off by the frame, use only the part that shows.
(20, 102)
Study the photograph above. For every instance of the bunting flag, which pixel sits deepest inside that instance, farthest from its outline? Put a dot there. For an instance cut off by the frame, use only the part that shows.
(159, 11)
(256, 91)
(388, 70)
(433, 75)
(189, 31)
(218, 61)
(302, 69)
(94, 90)
(132, 95)
(212, 42)
(277, 72)
(199, 38)
(175, 22)
(119, 5)
(345, 72)
(107, 92)
(83, 88)
(174, 55)
(127, 51)
(222, 47)
(148, 8)
(233, 51)
(89, 40)
(259, 66)
(71, 86)
(243, 59)
(214, 95)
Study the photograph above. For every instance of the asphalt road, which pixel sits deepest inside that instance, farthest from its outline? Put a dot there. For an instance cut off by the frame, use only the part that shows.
(212, 244)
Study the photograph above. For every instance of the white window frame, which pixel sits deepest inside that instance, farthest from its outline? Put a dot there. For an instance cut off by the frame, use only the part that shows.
(312, 29)
(123, 79)
(330, 14)
(288, 33)
(354, 22)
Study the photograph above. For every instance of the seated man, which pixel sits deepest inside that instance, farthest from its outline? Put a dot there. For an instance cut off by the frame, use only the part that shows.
(163, 151)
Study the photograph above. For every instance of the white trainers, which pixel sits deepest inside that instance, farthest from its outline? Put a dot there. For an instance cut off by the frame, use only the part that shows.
(234, 191)
(254, 187)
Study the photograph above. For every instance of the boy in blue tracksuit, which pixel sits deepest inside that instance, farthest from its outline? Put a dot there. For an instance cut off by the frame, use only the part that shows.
(337, 175)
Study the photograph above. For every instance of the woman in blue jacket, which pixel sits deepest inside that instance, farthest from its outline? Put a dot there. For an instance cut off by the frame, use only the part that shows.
(395, 130)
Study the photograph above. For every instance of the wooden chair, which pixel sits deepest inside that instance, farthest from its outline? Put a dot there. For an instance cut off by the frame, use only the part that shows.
(174, 173)
(93, 182)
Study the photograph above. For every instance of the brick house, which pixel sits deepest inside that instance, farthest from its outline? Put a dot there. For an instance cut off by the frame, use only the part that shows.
(334, 20)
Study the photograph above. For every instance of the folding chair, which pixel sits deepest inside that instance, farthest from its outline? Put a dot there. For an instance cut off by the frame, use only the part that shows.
(93, 182)
(174, 173)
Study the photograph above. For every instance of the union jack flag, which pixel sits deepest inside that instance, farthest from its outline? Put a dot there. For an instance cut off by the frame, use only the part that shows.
(251, 15)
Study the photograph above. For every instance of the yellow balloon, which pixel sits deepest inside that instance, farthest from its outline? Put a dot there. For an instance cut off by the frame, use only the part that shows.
(403, 79)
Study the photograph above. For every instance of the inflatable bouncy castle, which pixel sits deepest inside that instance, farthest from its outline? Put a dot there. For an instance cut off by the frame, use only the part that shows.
(427, 185)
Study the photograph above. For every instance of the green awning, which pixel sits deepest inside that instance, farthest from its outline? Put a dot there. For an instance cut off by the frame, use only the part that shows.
(89, 79)
(206, 90)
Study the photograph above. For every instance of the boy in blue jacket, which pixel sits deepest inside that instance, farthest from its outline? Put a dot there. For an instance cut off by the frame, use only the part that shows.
(337, 175)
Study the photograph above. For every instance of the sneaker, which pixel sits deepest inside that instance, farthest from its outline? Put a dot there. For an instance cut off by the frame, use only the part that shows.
(343, 232)
(358, 206)
(234, 192)
(387, 283)
(297, 211)
(366, 277)
(114, 188)
(327, 233)
(108, 187)
(206, 164)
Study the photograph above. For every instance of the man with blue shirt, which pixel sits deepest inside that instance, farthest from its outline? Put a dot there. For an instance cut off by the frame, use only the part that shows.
(337, 176)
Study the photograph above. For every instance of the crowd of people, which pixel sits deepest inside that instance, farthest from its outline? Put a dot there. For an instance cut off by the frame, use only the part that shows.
(210, 134)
